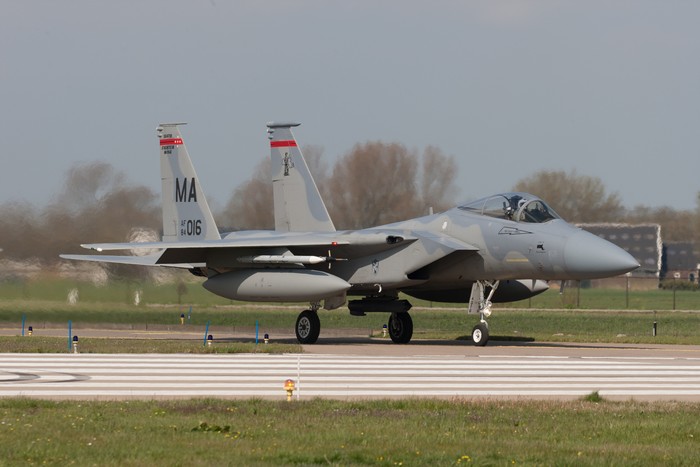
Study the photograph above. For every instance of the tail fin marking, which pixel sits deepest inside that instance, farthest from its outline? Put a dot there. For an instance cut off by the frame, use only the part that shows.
(297, 201)
(186, 213)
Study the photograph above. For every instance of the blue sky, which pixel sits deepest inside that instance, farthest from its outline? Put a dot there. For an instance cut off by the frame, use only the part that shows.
(609, 88)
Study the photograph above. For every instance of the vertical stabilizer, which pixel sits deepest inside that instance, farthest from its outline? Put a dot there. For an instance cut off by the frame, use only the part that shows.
(298, 204)
(186, 214)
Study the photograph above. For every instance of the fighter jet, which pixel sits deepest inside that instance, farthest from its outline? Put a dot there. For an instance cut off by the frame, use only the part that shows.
(501, 248)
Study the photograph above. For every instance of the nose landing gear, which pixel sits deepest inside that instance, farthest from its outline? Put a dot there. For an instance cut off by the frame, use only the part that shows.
(481, 305)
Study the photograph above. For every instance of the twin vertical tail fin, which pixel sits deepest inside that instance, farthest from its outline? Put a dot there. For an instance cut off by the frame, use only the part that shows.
(186, 214)
(298, 206)
(298, 203)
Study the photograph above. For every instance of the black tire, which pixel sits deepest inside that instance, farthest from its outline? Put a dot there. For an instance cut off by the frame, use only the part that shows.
(480, 334)
(308, 327)
(400, 328)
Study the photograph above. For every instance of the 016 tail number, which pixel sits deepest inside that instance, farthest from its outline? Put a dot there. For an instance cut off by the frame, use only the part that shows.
(190, 227)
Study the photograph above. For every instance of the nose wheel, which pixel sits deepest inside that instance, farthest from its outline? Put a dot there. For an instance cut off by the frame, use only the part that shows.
(480, 334)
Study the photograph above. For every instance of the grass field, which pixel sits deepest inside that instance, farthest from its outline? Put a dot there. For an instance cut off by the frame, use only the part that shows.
(57, 290)
(321, 432)
(41, 344)
(510, 324)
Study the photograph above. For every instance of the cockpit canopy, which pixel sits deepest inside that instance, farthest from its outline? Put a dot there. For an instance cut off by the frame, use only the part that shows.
(518, 207)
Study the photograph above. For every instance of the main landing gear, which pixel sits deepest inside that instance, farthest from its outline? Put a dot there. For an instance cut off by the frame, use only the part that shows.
(400, 328)
(308, 326)
(481, 305)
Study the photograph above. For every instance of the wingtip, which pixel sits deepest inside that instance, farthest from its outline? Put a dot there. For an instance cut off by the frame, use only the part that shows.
(282, 124)
(171, 124)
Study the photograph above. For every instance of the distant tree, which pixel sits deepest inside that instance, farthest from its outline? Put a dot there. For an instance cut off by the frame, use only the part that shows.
(378, 183)
(318, 166)
(577, 198)
(20, 230)
(374, 184)
(437, 180)
(676, 226)
(250, 206)
(86, 184)
(96, 204)
(696, 223)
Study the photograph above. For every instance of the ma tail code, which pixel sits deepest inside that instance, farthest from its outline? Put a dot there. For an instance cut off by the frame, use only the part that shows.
(182, 194)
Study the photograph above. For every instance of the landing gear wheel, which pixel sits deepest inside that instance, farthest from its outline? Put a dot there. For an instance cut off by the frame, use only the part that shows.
(308, 327)
(480, 334)
(400, 328)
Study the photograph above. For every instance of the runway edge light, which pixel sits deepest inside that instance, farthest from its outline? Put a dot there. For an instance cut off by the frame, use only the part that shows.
(289, 386)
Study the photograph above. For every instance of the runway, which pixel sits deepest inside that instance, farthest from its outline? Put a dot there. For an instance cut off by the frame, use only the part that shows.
(501, 372)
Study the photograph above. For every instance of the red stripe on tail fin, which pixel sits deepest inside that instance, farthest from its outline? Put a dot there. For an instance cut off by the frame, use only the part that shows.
(283, 144)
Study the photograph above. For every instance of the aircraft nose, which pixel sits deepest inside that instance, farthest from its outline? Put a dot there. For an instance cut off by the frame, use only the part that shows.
(588, 256)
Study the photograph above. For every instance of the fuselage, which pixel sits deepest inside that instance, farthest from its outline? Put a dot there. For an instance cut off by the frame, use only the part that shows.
(440, 256)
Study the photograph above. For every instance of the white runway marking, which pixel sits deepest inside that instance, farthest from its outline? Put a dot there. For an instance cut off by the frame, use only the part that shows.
(91, 376)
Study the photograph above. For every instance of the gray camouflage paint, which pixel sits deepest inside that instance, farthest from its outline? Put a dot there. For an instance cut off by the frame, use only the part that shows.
(438, 256)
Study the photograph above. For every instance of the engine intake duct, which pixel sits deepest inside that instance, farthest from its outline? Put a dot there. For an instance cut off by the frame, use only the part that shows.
(378, 305)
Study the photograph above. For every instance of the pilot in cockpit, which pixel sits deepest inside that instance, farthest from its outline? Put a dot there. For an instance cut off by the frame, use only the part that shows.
(517, 207)
(536, 212)
(512, 205)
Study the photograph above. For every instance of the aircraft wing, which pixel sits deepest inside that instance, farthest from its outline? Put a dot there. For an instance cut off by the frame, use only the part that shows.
(345, 245)
(213, 244)
(268, 246)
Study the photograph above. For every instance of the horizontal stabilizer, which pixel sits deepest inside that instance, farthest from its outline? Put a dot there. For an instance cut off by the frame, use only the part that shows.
(150, 260)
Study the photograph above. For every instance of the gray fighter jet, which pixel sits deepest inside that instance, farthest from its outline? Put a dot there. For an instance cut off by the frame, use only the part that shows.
(497, 249)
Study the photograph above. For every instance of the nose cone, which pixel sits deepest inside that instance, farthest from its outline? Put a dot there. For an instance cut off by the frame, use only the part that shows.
(588, 256)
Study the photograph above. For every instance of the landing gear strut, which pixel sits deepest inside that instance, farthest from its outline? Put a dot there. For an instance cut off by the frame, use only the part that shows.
(481, 305)
(400, 328)
(308, 326)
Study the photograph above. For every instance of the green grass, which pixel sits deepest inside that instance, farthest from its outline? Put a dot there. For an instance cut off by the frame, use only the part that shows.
(321, 432)
(56, 290)
(41, 344)
(546, 317)
(508, 324)
(611, 299)
(596, 326)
